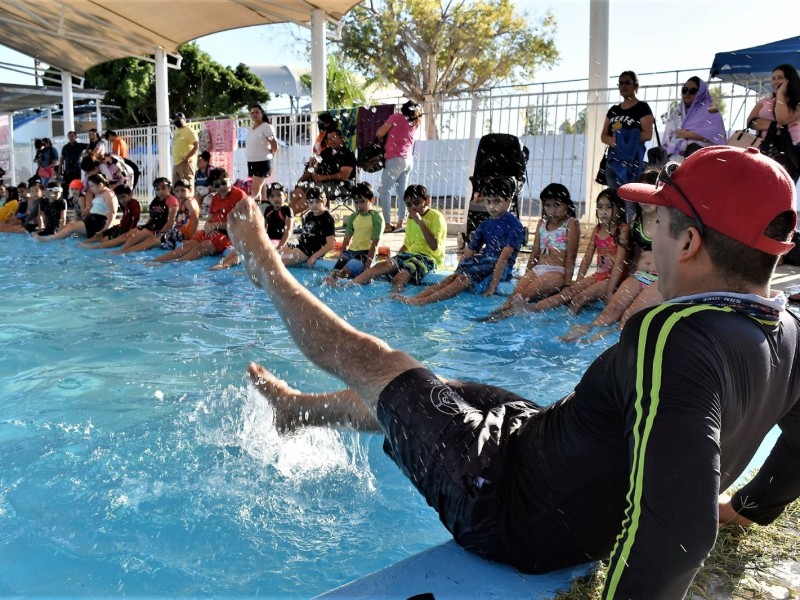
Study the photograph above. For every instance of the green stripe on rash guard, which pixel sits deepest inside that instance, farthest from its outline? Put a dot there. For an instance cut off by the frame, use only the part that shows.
(640, 437)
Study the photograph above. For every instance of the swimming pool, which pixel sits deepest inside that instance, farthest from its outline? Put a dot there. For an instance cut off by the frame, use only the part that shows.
(135, 459)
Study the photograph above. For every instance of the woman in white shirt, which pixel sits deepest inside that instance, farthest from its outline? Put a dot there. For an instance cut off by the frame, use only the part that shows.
(101, 216)
(260, 147)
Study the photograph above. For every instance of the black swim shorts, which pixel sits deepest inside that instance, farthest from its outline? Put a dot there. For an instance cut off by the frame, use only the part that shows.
(451, 440)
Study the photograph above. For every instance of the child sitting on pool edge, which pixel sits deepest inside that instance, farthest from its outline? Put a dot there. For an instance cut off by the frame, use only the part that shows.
(423, 246)
(555, 249)
(362, 235)
(499, 238)
(317, 236)
(611, 241)
(278, 221)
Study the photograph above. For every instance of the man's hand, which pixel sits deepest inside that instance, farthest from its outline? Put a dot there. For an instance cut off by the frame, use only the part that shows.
(728, 516)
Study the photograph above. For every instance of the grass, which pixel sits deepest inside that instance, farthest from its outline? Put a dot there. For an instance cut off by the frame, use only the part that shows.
(740, 559)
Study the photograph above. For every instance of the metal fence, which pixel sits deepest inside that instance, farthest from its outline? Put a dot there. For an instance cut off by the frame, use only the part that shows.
(549, 119)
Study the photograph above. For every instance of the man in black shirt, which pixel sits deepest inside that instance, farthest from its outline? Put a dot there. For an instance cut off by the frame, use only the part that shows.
(629, 466)
(70, 163)
(335, 173)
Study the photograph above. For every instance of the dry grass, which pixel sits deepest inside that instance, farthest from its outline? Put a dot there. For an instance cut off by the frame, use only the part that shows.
(740, 559)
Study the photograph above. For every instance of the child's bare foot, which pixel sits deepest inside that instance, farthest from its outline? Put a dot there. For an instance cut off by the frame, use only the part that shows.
(279, 395)
(405, 299)
(576, 333)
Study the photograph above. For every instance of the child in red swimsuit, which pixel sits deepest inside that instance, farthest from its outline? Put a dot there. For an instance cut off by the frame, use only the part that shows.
(611, 241)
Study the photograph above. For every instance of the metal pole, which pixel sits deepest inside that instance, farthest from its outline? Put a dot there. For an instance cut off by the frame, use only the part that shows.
(597, 99)
(66, 98)
(162, 114)
(319, 83)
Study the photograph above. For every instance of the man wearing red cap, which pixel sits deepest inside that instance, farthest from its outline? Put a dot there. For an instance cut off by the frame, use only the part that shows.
(629, 466)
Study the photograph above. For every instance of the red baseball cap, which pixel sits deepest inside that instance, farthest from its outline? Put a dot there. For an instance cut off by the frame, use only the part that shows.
(735, 191)
(75, 184)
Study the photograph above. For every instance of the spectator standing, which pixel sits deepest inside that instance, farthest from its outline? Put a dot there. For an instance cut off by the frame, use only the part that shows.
(118, 145)
(47, 161)
(627, 127)
(261, 147)
(184, 149)
(95, 147)
(397, 133)
(70, 161)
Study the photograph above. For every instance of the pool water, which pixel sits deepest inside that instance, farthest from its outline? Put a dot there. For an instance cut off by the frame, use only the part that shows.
(136, 459)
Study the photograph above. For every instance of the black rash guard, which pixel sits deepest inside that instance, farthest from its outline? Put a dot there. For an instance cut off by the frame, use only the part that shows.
(631, 464)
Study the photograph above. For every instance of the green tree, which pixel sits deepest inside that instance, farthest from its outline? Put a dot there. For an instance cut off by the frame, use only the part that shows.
(201, 87)
(536, 121)
(719, 98)
(344, 88)
(431, 49)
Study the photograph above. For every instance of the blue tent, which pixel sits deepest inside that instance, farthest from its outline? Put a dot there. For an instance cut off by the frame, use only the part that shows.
(750, 66)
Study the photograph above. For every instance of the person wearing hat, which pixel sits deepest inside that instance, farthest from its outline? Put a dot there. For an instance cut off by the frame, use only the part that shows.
(491, 254)
(77, 199)
(630, 466)
(184, 149)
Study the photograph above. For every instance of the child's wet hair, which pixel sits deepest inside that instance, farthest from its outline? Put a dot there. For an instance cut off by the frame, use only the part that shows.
(415, 190)
(502, 187)
(616, 202)
(557, 191)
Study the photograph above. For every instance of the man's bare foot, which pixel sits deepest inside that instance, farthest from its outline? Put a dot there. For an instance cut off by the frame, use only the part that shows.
(279, 395)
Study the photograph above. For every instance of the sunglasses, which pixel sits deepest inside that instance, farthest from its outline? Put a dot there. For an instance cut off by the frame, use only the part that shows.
(626, 82)
(690, 91)
(665, 177)
(223, 182)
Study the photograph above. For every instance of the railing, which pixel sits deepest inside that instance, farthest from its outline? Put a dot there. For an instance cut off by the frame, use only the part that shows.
(548, 118)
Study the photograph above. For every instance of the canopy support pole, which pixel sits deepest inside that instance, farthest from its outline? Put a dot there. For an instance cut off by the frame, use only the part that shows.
(69, 105)
(319, 83)
(162, 114)
(597, 98)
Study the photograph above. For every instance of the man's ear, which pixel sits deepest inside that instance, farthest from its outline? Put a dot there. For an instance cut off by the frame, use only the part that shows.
(692, 243)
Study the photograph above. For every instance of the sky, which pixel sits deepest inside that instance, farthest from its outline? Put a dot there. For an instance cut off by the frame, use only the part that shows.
(644, 36)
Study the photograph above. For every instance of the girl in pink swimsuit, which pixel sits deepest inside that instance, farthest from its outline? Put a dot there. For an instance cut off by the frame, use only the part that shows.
(555, 249)
(611, 241)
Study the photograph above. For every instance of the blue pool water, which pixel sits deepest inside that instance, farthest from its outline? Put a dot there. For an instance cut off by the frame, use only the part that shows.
(135, 458)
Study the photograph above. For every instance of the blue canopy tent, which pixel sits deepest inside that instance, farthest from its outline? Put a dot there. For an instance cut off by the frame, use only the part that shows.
(751, 67)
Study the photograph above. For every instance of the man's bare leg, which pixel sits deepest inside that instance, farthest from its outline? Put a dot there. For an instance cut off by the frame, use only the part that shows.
(324, 337)
(343, 409)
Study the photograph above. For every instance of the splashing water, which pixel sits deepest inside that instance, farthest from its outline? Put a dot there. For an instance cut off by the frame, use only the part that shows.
(135, 458)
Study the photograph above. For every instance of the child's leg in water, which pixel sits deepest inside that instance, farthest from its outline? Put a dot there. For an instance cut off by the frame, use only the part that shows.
(591, 292)
(649, 296)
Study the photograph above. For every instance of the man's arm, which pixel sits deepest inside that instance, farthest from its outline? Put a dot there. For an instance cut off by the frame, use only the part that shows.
(777, 483)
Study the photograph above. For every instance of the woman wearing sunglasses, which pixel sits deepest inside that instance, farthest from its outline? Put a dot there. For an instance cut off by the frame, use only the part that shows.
(694, 122)
(627, 127)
